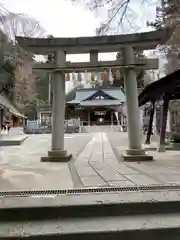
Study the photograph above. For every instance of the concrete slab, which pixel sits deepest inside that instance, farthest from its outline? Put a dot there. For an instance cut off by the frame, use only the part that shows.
(86, 171)
(12, 140)
(141, 179)
(98, 165)
(91, 181)
(121, 184)
(20, 166)
(123, 169)
(172, 179)
(110, 175)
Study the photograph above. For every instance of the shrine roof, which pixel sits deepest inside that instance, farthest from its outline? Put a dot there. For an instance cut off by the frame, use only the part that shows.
(108, 43)
(155, 90)
(4, 101)
(83, 94)
(104, 102)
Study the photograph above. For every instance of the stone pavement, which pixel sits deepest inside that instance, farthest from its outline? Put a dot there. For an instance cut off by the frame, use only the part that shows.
(20, 166)
(96, 163)
(99, 164)
(164, 170)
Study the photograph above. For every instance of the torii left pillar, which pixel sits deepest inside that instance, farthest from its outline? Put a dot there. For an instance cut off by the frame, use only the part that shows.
(57, 152)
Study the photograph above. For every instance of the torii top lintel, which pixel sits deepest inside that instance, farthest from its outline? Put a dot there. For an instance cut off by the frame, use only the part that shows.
(109, 43)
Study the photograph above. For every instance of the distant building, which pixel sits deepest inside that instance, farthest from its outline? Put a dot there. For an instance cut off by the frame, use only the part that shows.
(8, 108)
(98, 106)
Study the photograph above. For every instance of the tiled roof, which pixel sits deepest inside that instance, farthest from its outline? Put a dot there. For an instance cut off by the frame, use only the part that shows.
(4, 101)
(84, 93)
(116, 93)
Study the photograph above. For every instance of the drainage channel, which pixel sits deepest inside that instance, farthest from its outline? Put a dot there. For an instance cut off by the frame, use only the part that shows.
(90, 190)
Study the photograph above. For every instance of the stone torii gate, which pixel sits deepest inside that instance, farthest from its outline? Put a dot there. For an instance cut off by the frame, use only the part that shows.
(127, 44)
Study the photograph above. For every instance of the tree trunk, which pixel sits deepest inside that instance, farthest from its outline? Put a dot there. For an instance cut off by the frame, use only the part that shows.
(175, 120)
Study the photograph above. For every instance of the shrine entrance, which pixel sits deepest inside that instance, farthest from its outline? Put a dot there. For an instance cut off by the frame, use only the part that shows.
(100, 117)
(127, 45)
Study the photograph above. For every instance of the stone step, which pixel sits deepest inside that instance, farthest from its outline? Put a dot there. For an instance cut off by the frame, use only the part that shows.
(119, 215)
(156, 227)
(120, 209)
(89, 204)
(12, 140)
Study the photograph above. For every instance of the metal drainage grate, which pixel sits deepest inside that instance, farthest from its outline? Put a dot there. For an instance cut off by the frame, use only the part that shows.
(90, 190)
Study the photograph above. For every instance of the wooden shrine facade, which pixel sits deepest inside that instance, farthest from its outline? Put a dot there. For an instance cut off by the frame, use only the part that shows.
(98, 106)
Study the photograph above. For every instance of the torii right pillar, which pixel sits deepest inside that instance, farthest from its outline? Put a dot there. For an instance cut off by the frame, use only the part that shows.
(134, 151)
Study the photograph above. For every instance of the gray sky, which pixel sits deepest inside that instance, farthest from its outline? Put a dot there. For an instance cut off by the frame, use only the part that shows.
(58, 17)
(61, 19)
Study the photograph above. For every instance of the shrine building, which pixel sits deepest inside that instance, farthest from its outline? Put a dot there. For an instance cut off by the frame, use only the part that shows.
(98, 106)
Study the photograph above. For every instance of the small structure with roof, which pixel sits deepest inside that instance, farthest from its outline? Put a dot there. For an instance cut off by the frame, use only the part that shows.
(162, 92)
(10, 111)
(99, 105)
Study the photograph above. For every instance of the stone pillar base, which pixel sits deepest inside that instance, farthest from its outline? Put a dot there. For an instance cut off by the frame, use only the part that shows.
(135, 152)
(57, 156)
(133, 155)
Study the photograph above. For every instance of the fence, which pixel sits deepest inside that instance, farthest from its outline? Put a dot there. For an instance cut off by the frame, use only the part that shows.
(36, 124)
(70, 126)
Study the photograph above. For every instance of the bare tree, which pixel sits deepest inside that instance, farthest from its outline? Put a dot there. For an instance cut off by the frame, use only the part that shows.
(12, 24)
(13, 58)
(117, 13)
(22, 25)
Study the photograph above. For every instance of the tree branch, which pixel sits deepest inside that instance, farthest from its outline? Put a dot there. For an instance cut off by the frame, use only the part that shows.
(117, 12)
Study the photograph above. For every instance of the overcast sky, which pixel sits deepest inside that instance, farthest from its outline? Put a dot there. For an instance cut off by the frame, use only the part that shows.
(61, 19)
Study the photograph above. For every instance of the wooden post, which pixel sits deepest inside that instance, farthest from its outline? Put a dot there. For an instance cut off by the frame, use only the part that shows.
(1, 117)
(89, 118)
(149, 130)
(112, 118)
(49, 88)
(163, 124)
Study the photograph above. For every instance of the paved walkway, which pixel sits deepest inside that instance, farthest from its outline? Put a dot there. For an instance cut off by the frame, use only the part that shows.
(20, 166)
(98, 165)
(95, 163)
